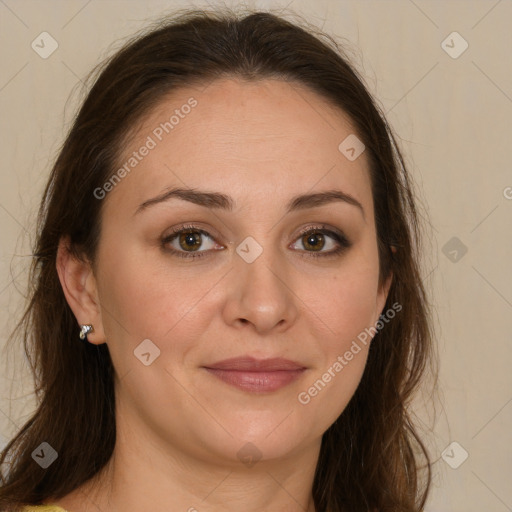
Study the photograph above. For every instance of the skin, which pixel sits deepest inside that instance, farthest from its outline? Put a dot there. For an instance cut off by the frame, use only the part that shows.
(179, 427)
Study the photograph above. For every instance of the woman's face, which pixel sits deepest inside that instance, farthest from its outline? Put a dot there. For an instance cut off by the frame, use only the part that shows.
(258, 287)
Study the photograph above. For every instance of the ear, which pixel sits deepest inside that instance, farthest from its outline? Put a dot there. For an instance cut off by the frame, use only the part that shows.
(383, 291)
(79, 286)
(382, 296)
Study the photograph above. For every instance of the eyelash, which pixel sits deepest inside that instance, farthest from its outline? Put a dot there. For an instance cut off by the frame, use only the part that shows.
(340, 238)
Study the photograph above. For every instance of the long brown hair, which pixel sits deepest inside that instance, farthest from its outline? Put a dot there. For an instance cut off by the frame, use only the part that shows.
(372, 457)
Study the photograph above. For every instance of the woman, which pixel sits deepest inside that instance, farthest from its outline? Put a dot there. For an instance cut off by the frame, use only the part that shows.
(228, 311)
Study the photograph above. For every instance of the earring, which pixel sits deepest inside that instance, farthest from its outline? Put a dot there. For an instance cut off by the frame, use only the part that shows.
(85, 330)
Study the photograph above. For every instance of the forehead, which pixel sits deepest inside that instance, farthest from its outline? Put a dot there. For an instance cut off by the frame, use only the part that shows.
(253, 139)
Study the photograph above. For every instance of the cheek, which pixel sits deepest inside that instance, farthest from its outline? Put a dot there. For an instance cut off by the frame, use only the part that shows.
(343, 311)
(349, 304)
(144, 297)
(345, 299)
(343, 315)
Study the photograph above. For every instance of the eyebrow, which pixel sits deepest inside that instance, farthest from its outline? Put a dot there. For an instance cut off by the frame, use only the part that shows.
(223, 202)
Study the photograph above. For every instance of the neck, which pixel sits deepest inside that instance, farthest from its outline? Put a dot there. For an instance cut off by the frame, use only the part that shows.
(147, 473)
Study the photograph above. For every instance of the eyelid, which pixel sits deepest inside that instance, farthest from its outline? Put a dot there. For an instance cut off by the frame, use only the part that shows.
(322, 228)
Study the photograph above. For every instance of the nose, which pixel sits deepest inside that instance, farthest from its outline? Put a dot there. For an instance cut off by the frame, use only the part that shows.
(261, 295)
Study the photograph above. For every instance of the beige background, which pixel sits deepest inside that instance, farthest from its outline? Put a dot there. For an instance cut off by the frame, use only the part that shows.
(452, 116)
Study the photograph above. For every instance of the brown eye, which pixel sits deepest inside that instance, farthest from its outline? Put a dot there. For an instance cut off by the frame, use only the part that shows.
(314, 241)
(190, 240)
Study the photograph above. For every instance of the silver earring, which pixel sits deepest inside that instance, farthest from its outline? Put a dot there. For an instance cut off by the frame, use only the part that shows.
(85, 330)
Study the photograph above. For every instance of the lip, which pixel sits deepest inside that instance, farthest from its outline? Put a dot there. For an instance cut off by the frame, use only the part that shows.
(257, 375)
(252, 364)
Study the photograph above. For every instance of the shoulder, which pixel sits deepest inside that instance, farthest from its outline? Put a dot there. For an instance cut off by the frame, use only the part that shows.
(43, 508)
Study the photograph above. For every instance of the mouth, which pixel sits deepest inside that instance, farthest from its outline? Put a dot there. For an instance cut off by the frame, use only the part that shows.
(257, 376)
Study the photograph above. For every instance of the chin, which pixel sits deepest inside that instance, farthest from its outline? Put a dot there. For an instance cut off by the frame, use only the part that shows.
(255, 439)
